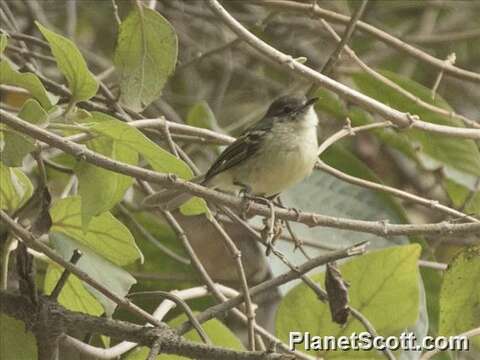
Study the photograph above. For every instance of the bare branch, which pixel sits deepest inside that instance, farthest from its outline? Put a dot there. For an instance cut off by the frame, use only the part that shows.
(381, 228)
(371, 30)
(401, 119)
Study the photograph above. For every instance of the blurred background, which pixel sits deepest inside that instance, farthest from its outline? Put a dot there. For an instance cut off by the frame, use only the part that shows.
(221, 84)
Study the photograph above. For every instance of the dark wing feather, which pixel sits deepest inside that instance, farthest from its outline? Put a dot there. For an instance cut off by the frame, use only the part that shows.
(242, 148)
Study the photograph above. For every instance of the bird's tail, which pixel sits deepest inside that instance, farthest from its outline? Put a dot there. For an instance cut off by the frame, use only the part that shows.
(170, 199)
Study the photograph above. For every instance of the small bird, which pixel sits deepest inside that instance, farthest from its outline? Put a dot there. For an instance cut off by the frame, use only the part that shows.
(271, 156)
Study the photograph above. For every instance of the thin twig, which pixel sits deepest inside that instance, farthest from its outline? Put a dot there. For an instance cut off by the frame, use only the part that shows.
(181, 303)
(401, 119)
(396, 87)
(348, 131)
(115, 13)
(32, 242)
(373, 31)
(77, 254)
(237, 258)
(327, 68)
(148, 236)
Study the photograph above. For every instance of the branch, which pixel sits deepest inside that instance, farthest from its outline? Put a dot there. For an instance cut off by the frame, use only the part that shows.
(381, 228)
(401, 119)
(210, 313)
(468, 334)
(64, 320)
(33, 243)
(396, 87)
(373, 31)
(349, 131)
(346, 37)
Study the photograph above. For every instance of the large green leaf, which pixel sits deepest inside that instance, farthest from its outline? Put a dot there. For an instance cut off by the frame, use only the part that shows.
(145, 56)
(105, 234)
(15, 188)
(27, 81)
(159, 159)
(216, 331)
(71, 63)
(383, 286)
(459, 159)
(15, 144)
(460, 295)
(111, 276)
(74, 296)
(16, 342)
(101, 189)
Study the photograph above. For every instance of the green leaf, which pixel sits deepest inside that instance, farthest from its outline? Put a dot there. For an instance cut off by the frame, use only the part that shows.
(460, 294)
(16, 342)
(145, 56)
(74, 296)
(15, 147)
(3, 42)
(71, 63)
(200, 115)
(459, 159)
(15, 188)
(27, 81)
(111, 276)
(101, 189)
(463, 197)
(383, 286)
(105, 235)
(33, 112)
(15, 144)
(216, 331)
(159, 159)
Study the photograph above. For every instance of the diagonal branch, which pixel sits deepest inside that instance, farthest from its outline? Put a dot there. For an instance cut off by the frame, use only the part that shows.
(401, 119)
(366, 28)
(65, 320)
(381, 228)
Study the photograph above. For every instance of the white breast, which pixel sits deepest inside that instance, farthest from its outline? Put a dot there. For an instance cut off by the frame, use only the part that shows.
(287, 156)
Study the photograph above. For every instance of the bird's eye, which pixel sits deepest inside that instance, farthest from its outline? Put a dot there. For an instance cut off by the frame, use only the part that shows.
(287, 109)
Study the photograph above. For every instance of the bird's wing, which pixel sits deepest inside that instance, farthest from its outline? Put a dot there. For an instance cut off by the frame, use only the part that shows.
(242, 148)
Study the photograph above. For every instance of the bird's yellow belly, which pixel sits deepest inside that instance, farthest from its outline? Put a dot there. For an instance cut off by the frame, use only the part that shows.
(279, 170)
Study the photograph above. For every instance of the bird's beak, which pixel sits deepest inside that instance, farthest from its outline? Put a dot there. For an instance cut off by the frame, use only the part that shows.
(311, 101)
(308, 103)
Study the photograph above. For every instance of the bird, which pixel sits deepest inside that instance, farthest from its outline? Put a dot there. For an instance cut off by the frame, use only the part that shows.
(276, 153)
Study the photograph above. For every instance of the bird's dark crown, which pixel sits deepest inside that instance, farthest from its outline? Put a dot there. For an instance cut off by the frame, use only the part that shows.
(287, 105)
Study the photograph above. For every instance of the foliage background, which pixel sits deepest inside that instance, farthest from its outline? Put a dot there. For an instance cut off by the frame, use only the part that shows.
(197, 73)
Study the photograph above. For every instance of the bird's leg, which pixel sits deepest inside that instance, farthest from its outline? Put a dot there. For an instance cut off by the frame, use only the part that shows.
(244, 193)
(273, 228)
